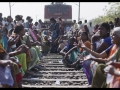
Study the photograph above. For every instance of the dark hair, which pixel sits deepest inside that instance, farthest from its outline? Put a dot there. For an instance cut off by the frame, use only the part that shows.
(18, 28)
(11, 30)
(86, 34)
(0, 14)
(8, 17)
(80, 22)
(110, 22)
(19, 17)
(36, 31)
(85, 21)
(52, 19)
(40, 20)
(74, 20)
(72, 39)
(107, 26)
(28, 17)
(36, 22)
(86, 28)
(31, 20)
(111, 26)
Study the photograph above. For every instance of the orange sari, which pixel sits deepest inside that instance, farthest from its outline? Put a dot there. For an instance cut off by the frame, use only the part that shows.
(87, 44)
(115, 78)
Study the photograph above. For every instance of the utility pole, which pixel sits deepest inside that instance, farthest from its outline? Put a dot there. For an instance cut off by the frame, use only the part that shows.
(79, 12)
(10, 8)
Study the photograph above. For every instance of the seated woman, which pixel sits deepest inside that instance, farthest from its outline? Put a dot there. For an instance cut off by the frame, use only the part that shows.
(110, 54)
(104, 43)
(16, 72)
(62, 43)
(45, 45)
(5, 56)
(32, 54)
(73, 53)
(69, 45)
(82, 52)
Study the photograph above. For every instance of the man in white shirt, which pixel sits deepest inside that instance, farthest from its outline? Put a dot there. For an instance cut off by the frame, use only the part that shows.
(86, 23)
(91, 28)
(39, 25)
(4, 21)
(80, 25)
(75, 25)
(35, 26)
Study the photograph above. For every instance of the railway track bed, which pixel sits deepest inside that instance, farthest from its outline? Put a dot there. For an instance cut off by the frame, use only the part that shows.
(53, 74)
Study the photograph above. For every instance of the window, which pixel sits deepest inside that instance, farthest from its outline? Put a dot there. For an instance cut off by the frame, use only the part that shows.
(64, 9)
(52, 9)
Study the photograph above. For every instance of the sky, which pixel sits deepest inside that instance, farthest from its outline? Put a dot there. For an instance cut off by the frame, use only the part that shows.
(88, 10)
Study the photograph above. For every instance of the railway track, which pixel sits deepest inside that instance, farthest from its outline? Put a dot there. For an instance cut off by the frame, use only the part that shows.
(53, 74)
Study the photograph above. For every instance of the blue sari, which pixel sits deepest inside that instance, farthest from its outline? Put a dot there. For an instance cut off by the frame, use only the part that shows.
(5, 41)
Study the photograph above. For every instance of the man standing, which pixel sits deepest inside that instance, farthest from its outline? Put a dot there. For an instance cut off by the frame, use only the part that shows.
(86, 23)
(91, 28)
(27, 22)
(80, 27)
(4, 21)
(75, 25)
(39, 25)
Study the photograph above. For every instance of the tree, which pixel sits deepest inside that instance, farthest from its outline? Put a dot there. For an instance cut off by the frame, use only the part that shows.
(110, 14)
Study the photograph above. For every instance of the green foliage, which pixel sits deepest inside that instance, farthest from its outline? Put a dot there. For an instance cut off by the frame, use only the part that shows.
(110, 14)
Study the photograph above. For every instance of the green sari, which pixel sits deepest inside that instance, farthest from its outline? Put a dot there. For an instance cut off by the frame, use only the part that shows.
(99, 78)
(35, 54)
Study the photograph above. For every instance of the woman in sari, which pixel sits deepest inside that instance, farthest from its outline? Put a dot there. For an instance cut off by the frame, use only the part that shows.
(110, 54)
(24, 39)
(16, 68)
(54, 28)
(104, 43)
(82, 52)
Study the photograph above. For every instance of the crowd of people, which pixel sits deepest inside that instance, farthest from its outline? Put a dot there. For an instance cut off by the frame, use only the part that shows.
(93, 49)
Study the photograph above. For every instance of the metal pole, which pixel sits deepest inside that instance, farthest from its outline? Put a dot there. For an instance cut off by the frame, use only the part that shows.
(10, 8)
(79, 12)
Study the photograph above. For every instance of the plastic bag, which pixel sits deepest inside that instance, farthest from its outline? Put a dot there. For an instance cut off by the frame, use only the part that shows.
(5, 76)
